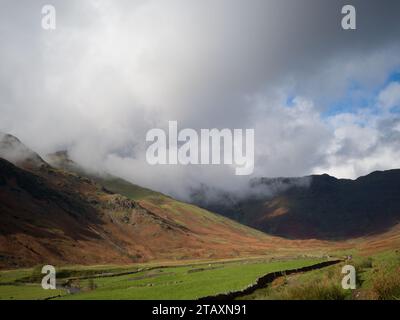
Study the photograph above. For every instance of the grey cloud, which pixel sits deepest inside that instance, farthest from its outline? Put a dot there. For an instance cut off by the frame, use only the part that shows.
(114, 69)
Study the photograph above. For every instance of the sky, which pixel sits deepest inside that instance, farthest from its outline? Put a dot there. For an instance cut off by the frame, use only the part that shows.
(320, 99)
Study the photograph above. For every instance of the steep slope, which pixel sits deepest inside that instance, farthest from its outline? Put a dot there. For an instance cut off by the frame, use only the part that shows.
(324, 208)
(51, 215)
(16, 152)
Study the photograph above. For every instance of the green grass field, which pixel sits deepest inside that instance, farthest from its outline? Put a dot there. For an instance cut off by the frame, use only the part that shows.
(378, 278)
(173, 282)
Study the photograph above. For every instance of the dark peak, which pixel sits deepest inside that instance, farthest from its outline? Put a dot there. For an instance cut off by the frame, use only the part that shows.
(380, 178)
(373, 175)
(377, 173)
(324, 178)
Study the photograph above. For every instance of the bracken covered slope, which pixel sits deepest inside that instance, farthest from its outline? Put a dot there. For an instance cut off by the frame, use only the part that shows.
(58, 216)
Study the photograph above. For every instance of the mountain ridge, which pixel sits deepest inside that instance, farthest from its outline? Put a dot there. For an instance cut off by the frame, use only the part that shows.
(326, 208)
(60, 214)
(55, 216)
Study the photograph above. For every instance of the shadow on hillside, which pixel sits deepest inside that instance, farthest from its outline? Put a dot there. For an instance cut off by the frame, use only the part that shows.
(30, 206)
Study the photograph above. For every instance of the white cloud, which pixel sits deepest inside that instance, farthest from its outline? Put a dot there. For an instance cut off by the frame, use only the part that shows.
(364, 141)
(390, 96)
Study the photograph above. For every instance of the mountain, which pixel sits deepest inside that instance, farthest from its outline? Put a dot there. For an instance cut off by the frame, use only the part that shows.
(317, 206)
(16, 152)
(53, 211)
(57, 214)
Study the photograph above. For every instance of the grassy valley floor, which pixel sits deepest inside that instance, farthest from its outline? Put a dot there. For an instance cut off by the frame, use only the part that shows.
(188, 281)
(378, 277)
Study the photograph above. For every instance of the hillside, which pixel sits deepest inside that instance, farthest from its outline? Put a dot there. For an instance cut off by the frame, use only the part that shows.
(324, 207)
(53, 215)
(54, 212)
